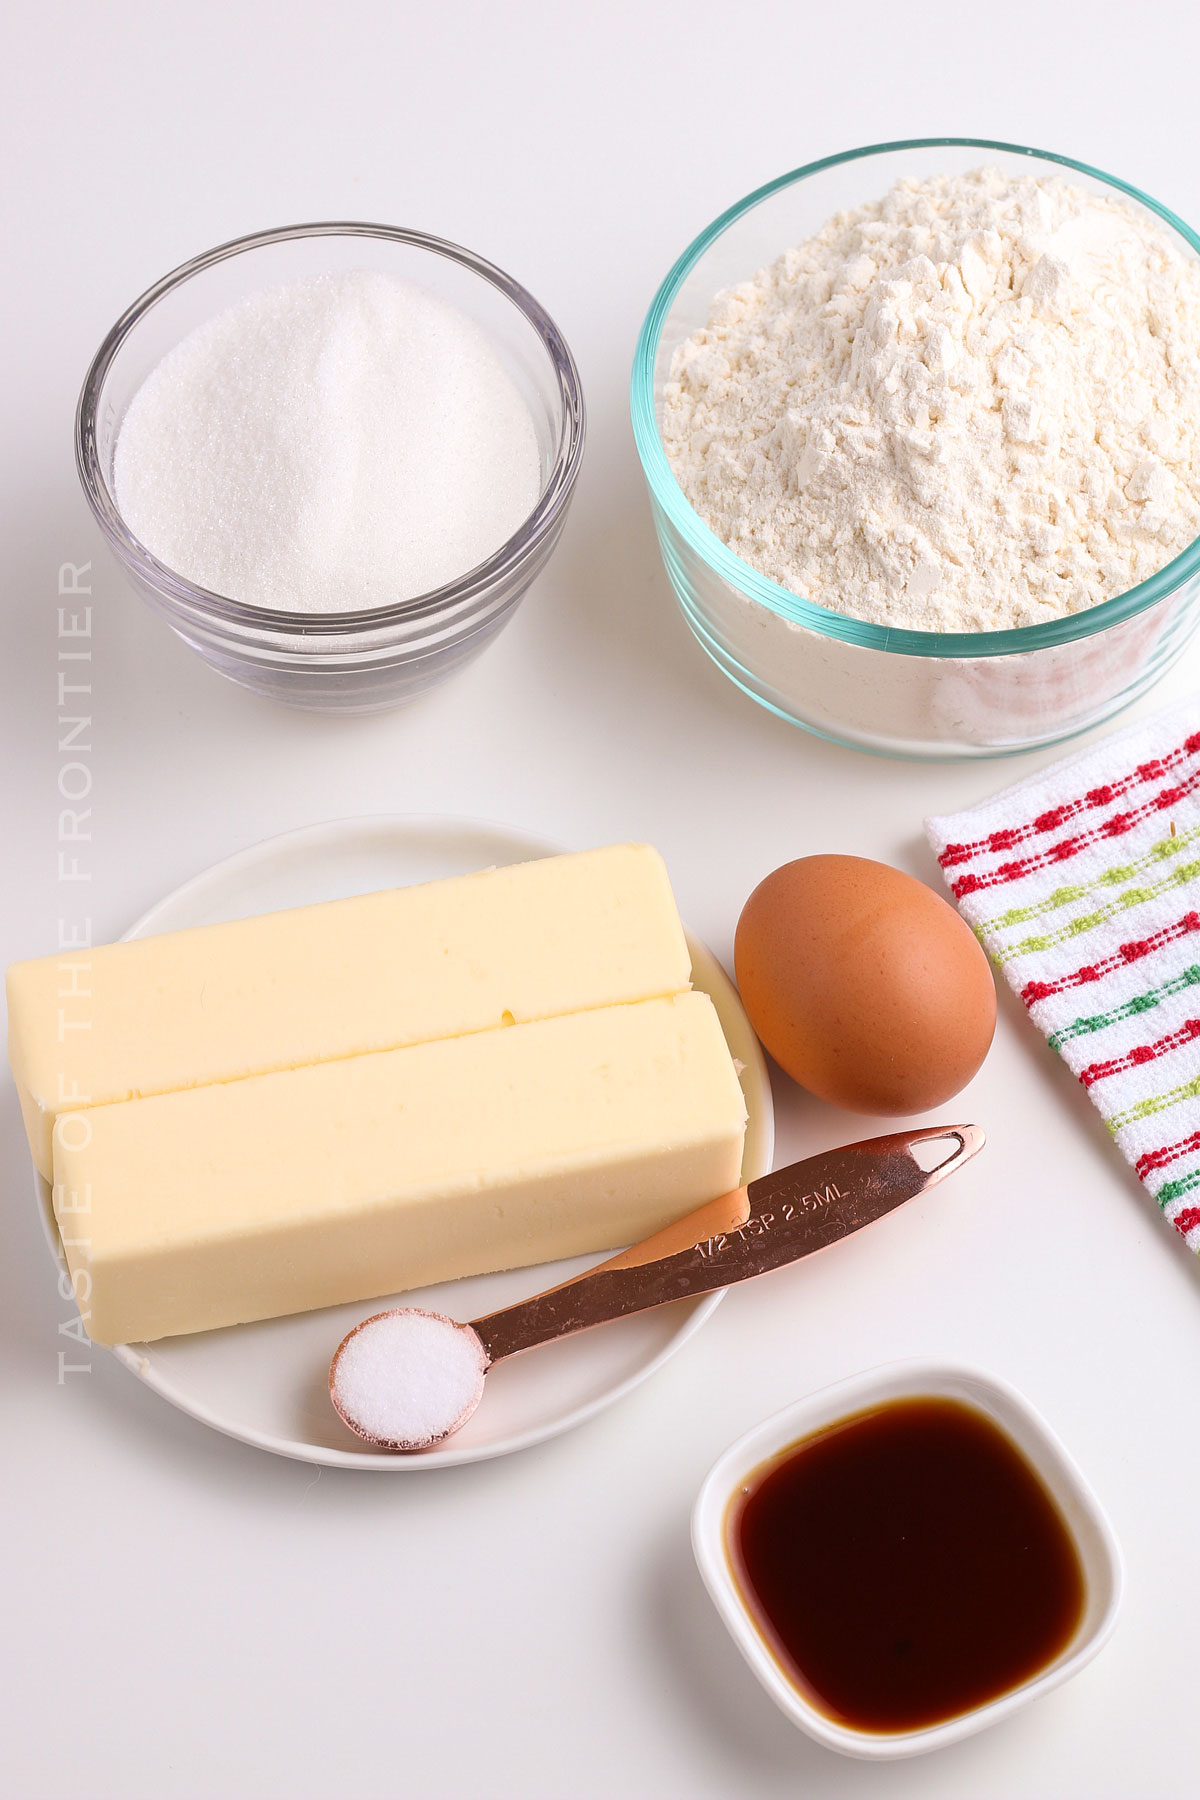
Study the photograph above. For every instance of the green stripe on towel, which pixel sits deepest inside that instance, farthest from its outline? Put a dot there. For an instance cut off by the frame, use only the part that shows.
(1128, 1009)
(1154, 1103)
(1089, 921)
(1171, 1190)
(1110, 877)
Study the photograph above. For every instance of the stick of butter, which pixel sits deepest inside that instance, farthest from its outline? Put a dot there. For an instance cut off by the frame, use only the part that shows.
(561, 935)
(346, 1180)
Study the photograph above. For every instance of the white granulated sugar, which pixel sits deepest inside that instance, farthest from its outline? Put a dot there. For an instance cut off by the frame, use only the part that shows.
(971, 405)
(344, 442)
(407, 1378)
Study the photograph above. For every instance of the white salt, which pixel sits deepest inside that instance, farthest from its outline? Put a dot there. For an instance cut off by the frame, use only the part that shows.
(344, 442)
(407, 1378)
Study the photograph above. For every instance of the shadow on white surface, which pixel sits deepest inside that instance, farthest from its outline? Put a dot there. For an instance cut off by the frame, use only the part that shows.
(711, 1688)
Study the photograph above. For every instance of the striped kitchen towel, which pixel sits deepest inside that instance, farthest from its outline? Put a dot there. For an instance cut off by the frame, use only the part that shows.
(1083, 885)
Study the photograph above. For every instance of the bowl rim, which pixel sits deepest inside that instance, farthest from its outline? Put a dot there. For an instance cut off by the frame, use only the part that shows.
(794, 608)
(879, 1385)
(475, 583)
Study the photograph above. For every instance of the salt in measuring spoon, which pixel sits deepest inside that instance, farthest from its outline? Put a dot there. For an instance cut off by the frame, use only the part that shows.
(407, 1379)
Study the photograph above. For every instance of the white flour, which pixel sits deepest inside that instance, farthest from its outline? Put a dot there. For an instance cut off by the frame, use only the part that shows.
(971, 405)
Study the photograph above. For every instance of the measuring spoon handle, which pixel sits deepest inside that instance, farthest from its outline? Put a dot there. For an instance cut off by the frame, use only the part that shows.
(798, 1210)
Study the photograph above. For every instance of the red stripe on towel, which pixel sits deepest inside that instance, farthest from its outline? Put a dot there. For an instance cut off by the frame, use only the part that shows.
(1187, 1033)
(1169, 1153)
(1116, 827)
(1131, 952)
(1011, 836)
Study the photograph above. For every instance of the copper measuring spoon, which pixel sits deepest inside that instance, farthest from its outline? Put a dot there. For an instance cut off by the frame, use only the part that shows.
(407, 1379)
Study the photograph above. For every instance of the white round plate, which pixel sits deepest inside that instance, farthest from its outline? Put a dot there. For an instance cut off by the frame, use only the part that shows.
(267, 1384)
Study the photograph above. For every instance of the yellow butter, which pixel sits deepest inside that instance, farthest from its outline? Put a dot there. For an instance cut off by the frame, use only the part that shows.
(346, 1180)
(568, 933)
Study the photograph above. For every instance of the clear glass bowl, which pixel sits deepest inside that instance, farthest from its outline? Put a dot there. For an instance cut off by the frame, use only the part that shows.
(368, 660)
(908, 693)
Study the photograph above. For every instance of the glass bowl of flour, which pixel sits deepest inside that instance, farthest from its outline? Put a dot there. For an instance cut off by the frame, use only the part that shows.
(333, 456)
(921, 429)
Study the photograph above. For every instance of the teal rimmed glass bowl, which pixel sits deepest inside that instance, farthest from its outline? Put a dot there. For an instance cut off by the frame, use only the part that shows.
(901, 693)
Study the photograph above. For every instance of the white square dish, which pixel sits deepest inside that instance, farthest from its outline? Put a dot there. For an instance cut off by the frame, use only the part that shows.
(1098, 1550)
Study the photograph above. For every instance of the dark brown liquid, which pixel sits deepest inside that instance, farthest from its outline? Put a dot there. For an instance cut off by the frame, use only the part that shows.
(905, 1565)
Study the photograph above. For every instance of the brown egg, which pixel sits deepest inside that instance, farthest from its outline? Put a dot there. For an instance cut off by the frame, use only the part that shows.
(864, 984)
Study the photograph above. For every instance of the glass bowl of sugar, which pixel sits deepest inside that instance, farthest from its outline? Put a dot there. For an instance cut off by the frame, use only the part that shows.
(333, 457)
(918, 426)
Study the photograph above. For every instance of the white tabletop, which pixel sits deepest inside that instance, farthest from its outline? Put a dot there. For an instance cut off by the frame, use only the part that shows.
(184, 1616)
